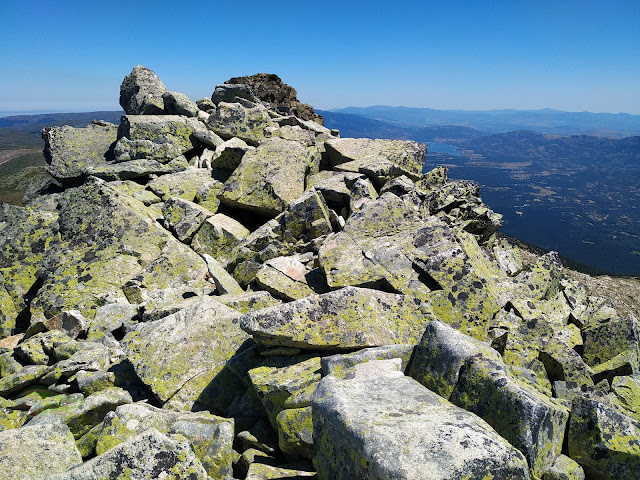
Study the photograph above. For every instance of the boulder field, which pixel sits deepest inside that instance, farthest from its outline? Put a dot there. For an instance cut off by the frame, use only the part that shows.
(226, 289)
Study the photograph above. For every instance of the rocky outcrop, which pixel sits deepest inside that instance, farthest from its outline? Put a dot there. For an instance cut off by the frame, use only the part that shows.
(227, 289)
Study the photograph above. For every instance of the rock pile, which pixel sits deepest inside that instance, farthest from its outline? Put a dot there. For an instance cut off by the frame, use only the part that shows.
(227, 289)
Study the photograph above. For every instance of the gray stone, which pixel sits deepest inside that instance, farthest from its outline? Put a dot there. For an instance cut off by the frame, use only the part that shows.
(147, 455)
(528, 420)
(260, 471)
(440, 355)
(340, 365)
(141, 168)
(603, 441)
(564, 469)
(141, 92)
(246, 121)
(35, 452)
(70, 152)
(179, 355)
(21, 379)
(156, 137)
(335, 187)
(409, 156)
(229, 155)
(176, 103)
(290, 279)
(110, 318)
(269, 178)
(344, 319)
(184, 218)
(81, 416)
(210, 437)
(225, 283)
(229, 92)
(218, 236)
(185, 184)
(392, 427)
(293, 133)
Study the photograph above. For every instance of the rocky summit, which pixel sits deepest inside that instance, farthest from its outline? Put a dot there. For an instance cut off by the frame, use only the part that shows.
(226, 289)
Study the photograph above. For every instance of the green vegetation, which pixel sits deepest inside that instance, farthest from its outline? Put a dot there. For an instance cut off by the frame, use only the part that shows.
(11, 139)
(17, 173)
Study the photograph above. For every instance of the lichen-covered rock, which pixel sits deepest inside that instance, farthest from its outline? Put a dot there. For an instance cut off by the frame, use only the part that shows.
(90, 356)
(35, 452)
(295, 432)
(183, 217)
(229, 155)
(341, 365)
(185, 184)
(627, 394)
(335, 187)
(293, 133)
(69, 151)
(218, 236)
(283, 382)
(344, 319)
(604, 442)
(393, 427)
(440, 355)
(81, 416)
(608, 340)
(288, 278)
(141, 92)
(268, 178)
(528, 420)
(225, 283)
(246, 121)
(147, 455)
(230, 92)
(111, 317)
(133, 169)
(249, 301)
(176, 103)
(407, 155)
(156, 137)
(210, 437)
(564, 469)
(104, 247)
(179, 355)
(22, 378)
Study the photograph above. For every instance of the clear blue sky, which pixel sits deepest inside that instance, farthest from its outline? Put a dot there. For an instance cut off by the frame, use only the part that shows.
(571, 55)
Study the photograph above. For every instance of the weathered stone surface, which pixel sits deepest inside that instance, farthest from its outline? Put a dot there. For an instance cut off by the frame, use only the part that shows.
(627, 393)
(260, 471)
(344, 319)
(293, 133)
(269, 178)
(141, 92)
(69, 151)
(528, 420)
(147, 455)
(246, 121)
(21, 379)
(440, 355)
(229, 155)
(341, 365)
(393, 427)
(35, 452)
(564, 469)
(335, 187)
(288, 278)
(102, 248)
(176, 103)
(229, 92)
(179, 355)
(225, 283)
(275, 94)
(110, 318)
(603, 441)
(156, 137)
(249, 301)
(407, 155)
(82, 415)
(295, 432)
(218, 236)
(142, 168)
(183, 217)
(183, 184)
(608, 340)
(285, 382)
(207, 194)
(210, 437)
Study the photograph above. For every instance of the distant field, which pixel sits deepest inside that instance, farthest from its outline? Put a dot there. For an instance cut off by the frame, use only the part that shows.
(18, 172)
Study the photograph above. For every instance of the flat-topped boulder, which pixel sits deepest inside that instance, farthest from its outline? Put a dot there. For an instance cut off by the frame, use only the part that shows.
(392, 427)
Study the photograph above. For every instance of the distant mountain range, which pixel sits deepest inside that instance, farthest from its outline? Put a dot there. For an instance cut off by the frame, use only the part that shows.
(35, 123)
(496, 121)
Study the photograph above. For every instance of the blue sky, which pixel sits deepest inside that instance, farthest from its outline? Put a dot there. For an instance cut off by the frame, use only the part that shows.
(570, 55)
